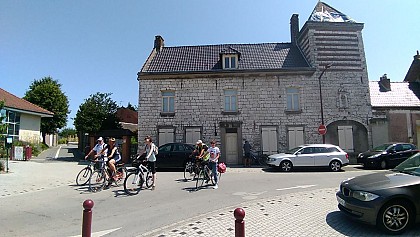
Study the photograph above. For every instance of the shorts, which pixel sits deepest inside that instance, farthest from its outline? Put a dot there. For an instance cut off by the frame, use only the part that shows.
(152, 166)
(247, 155)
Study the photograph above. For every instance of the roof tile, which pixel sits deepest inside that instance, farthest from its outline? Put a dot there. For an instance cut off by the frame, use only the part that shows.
(15, 102)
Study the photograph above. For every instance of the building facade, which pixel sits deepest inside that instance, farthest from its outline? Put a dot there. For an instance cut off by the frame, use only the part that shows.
(269, 93)
(23, 118)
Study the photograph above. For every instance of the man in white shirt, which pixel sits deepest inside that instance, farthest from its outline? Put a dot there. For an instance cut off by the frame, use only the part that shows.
(97, 148)
(214, 158)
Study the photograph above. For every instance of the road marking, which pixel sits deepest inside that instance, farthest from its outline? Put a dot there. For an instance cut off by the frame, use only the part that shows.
(100, 233)
(295, 187)
(58, 151)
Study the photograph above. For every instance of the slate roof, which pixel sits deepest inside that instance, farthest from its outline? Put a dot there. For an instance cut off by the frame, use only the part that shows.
(207, 58)
(402, 95)
(14, 102)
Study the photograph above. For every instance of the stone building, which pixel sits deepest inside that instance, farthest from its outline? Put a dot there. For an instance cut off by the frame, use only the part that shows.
(396, 108)
(266, 93)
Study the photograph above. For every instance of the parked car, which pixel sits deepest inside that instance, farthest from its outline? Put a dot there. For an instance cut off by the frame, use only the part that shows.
(387, 155)
(325, 155)
(388, 199)
(173, 155)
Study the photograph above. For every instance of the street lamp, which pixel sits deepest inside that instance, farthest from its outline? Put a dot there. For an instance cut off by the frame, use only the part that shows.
(320, 97)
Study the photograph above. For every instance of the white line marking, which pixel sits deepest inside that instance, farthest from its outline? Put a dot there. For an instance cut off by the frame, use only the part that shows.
(100, 233)
(295, 187)
(58, 151)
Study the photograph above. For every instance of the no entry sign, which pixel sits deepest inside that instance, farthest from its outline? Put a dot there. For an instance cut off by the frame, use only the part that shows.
(322, 130)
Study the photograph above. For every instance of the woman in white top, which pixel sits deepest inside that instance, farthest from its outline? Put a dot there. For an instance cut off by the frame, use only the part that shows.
(151, 158)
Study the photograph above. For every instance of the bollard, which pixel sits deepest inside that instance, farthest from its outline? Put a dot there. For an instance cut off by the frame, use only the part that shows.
(239, 215)
(87, 218)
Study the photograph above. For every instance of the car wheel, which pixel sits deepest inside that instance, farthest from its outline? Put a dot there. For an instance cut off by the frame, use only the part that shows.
(286, 166)
(395, 217)
(335, 165)
(383, 165)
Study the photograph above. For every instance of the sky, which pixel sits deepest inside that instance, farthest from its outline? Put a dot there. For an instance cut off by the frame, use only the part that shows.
(100, 45)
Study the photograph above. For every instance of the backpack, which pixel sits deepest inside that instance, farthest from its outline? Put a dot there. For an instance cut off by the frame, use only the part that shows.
(155, 149)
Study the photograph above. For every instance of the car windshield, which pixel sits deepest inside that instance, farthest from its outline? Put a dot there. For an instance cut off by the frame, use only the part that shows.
(292, 151)
(382, 147)
(410, 166)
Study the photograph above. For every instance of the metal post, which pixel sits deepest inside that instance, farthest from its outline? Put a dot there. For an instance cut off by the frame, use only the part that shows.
(320, 97)
(239, 215)
(87, 218)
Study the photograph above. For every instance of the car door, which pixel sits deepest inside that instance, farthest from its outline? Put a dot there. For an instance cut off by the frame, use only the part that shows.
(406, 151)
(304, 157)
(178, 155)
(322, 156)
(163, 157)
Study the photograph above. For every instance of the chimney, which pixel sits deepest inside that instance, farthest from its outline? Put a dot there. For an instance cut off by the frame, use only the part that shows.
(159, 43)
(294, 28)
(384, 84)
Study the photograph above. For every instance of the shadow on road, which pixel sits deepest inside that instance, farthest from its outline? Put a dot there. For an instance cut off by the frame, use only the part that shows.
(348, 227)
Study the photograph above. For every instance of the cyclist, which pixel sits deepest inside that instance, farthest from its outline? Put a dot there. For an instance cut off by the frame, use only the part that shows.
(151, 158)
(114, 156)
(198, 151)
(204, 159)
(214, 158)
(97, 148)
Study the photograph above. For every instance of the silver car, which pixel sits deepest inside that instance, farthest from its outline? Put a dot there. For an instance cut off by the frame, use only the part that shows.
(322, 155)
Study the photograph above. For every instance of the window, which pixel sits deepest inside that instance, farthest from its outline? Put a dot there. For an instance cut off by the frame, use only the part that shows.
(229, 61)
(231, 101)
(292, 99)
(12, 119)
(168, 101)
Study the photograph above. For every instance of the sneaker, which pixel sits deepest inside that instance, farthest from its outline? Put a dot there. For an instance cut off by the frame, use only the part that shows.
(153, 187)
(215, 186)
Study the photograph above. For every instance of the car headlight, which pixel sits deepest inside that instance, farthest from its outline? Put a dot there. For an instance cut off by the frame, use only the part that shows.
(364, 196)
(374, 156)
(272, 159)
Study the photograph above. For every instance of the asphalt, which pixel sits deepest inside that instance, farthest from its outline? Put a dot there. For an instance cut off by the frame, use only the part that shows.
(306, 213)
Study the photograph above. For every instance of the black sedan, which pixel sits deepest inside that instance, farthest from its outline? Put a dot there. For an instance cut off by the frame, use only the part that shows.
(388, 199)
(387, 155)
(173, 155)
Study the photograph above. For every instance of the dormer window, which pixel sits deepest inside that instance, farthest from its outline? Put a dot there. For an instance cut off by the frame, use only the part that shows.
(230, 61)
(229, 58)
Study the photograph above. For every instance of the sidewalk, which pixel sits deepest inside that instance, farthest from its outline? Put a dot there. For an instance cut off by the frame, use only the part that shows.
(307, 213)
(39, 173)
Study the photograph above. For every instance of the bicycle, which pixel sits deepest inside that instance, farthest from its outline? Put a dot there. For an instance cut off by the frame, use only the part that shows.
(102, 175)
(258, 158)
(191, 169)
(83, 176)
(137, 176)
(205, 174)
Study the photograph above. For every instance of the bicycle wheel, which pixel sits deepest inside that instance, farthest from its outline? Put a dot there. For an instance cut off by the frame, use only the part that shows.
(132, 184)
(189, 171)
(83, 176)
(149, 179)
(199, 180)
(97, 181)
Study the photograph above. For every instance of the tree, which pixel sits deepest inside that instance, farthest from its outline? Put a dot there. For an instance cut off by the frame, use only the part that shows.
(47, 94)
(97, 113)
(130, 106)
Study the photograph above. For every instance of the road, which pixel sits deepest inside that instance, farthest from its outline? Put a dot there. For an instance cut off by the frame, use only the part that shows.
(57, 211)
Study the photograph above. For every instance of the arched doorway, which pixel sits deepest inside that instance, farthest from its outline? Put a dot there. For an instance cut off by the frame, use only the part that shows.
(350, 135)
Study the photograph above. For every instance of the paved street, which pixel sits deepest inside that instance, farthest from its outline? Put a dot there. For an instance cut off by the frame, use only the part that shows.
(39, 198)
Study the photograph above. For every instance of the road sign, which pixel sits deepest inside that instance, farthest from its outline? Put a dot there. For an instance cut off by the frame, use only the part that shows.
(322, 130)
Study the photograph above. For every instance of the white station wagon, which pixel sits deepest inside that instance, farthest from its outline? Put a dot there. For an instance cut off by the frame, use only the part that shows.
(322, 155)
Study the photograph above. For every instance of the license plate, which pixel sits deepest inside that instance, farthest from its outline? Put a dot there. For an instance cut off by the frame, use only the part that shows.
(341, 201)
